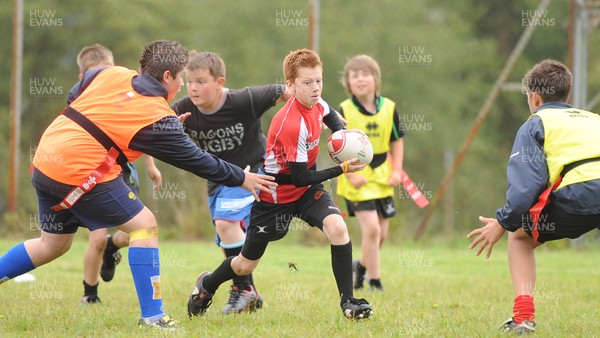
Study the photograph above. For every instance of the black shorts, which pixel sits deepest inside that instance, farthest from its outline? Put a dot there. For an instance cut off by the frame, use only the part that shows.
(555, 224)
(385, 207)
(270, 222)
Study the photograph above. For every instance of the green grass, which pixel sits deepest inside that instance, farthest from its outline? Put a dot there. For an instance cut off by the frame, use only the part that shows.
(441, 290)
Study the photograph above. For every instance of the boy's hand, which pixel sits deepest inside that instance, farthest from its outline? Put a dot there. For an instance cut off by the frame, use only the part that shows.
(357, 181)
(352, 165)
(254, 181)
(342, 119)
(153, 172)
(487, 235)
(395, 178)
(183, 117)
(155, 176)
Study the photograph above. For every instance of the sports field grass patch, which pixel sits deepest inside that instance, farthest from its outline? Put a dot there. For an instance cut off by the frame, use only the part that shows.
(429, 291)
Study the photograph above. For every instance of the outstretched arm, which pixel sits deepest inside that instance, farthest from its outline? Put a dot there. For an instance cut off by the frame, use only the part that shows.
(301, 176)
(153, 171)
(166, 141)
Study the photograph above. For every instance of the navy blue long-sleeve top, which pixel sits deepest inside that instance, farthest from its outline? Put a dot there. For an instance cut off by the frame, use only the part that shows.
(528, 177)
(171, 145)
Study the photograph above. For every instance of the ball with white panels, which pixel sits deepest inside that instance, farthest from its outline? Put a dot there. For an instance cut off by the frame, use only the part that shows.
(344, 145)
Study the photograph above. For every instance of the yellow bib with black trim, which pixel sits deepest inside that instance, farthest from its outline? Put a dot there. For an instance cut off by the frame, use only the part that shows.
(379, 129)
(571, 135)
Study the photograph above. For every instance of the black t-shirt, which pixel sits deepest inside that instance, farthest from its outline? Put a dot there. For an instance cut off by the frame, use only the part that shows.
(233, 133)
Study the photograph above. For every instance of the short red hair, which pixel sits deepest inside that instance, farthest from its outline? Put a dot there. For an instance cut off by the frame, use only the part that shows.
(301, 58)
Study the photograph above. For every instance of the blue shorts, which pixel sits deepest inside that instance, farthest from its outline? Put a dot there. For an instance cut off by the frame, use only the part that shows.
(107, 205)
(230, 204)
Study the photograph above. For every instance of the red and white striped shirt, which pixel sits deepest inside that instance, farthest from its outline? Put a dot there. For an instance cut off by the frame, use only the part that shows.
(293, 137)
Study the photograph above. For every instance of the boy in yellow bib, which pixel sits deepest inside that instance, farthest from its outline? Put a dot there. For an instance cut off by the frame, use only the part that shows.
(369, 193)
(553, 182)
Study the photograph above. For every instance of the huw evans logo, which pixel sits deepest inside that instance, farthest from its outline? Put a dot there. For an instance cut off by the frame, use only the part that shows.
(290, 18)
(44, 19)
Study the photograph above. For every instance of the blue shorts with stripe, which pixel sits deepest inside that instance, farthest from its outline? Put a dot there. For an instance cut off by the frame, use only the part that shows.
(230, 204)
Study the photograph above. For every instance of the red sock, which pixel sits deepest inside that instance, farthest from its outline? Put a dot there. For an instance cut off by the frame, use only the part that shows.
(523, 309)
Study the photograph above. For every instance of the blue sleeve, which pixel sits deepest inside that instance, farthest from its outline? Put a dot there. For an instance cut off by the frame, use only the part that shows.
(80, 86)
(73, 93)
(527, 175)
(165, 140)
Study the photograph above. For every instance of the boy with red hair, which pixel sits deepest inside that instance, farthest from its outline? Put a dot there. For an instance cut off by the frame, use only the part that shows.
(292, 150)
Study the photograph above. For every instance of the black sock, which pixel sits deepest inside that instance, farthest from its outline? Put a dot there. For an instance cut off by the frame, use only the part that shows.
(361, 269)
(244, 281)
(111, 248)
(376, 283)
(341, 262)
(90, 290)
(222, 274)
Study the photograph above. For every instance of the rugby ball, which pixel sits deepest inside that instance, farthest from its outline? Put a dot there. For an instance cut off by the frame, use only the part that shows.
(344, 145)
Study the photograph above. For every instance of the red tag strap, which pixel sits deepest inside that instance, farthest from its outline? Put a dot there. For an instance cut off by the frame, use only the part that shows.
(90, 182)
(536, 210)
(413, 191)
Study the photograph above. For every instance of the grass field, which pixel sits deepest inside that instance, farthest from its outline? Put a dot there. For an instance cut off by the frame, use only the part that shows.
(441, 290)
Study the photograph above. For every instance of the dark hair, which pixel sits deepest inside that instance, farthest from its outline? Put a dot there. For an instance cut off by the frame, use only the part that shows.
(551, 79)
(162, 55)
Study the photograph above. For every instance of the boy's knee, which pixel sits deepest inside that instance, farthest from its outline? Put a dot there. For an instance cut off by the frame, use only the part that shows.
(383, 235)
(60, 249)
(99, 244)
(337, 230)
(373, 232)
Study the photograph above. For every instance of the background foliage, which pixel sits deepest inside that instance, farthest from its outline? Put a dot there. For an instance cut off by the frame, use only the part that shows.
(462, 46)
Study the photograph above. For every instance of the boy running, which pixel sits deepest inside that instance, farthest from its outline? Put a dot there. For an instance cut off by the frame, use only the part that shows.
(227, 124)
(291, 156)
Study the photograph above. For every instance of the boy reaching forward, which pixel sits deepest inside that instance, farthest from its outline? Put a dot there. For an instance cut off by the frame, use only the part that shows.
(553, 182)
(90, 138)
(89, 58)
(292, 149)
(225, 123)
